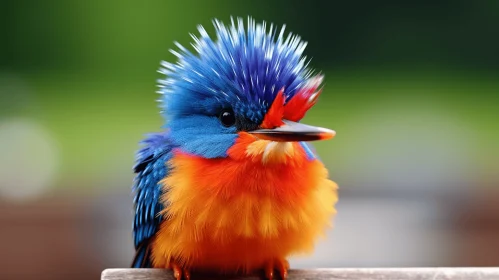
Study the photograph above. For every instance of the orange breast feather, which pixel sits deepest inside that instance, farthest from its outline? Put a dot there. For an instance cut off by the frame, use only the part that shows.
(265, 201)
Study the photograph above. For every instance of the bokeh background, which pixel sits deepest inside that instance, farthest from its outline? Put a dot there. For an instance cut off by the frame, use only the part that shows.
(412, 89)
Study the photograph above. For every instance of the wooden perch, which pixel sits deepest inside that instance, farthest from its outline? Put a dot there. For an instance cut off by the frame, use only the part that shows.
(441, 273)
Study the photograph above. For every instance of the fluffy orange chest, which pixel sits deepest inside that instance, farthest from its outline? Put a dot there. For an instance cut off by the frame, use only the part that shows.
(261, 203)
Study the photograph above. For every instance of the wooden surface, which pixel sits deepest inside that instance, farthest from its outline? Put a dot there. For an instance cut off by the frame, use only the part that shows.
(334, 273)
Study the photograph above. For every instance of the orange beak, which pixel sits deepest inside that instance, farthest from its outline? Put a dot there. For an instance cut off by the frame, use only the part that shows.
(293, 132)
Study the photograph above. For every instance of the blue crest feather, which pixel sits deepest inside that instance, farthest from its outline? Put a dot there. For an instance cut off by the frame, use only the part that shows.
(244, 68)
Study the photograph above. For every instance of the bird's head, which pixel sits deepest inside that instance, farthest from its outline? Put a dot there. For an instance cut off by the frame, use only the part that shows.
(250, 82)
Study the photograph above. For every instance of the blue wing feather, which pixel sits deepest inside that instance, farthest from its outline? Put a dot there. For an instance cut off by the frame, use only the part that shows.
(150, 168)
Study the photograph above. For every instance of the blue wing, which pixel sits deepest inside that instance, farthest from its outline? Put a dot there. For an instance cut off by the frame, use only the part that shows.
(150, 168)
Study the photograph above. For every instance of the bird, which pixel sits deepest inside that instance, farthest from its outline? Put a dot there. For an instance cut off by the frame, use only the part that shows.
(230, 184)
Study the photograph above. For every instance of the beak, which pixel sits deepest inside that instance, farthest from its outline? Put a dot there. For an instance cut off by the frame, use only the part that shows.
(293, 132)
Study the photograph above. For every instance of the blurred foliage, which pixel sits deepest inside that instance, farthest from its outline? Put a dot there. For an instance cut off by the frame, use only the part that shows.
(127, 35)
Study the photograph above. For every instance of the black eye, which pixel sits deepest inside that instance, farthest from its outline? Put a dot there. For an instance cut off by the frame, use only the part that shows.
(227, 118)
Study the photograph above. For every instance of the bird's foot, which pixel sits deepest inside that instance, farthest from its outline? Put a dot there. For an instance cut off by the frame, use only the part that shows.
(179, 272)
(279, 265)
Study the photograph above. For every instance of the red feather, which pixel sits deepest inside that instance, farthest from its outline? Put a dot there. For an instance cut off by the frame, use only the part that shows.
(303, 100)
(273, 118)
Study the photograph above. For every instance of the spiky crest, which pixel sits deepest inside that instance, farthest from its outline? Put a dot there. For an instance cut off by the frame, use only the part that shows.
(243, 68)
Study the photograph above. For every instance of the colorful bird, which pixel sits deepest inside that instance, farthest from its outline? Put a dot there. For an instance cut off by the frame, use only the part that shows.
(230, 185)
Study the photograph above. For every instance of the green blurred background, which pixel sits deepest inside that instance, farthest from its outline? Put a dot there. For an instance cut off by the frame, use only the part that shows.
(412, 89)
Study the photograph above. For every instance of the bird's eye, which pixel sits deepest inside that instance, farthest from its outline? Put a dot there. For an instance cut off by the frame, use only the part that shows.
(227, 118)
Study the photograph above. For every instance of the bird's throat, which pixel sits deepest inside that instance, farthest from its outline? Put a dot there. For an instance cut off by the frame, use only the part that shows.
(266, 152)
